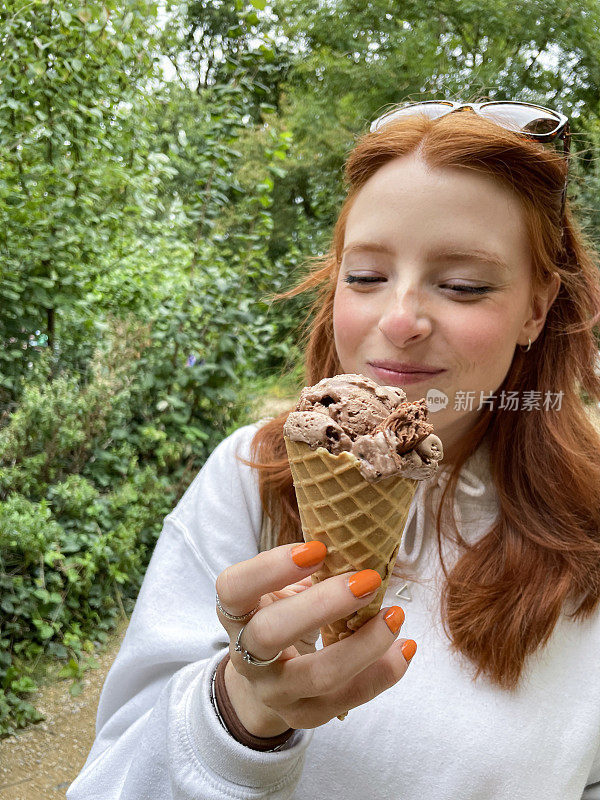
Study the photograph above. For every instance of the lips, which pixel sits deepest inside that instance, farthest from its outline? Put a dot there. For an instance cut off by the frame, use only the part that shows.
(406, 368)
(402, 373)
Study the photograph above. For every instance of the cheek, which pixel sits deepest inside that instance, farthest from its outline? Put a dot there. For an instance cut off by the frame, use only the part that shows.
(482, 342)
(349, 326)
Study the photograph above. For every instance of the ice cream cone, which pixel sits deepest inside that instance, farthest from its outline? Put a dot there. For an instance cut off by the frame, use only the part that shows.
(357, 451)
(361, 522)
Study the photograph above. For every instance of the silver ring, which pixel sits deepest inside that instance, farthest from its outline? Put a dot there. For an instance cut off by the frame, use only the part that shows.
(244, 617)
(248, 657)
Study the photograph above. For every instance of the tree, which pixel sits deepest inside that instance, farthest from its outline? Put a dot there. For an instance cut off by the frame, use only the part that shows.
(73, 87)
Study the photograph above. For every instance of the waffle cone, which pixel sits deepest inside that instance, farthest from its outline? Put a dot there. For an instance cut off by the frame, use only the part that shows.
(359, 521)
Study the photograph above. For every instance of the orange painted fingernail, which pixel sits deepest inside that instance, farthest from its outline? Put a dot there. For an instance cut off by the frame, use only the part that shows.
(364, 582)
(309, 553)
(394, 618)
(409, 648)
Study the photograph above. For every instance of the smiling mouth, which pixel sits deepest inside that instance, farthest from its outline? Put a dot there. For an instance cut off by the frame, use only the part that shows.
(408, 371)
(405, 371)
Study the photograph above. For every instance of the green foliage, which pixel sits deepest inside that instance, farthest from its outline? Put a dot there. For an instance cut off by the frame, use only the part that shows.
(77, 523)
(71, 76)
(147, 220)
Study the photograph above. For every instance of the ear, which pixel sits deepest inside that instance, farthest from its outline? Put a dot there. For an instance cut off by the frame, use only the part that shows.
(539, 306)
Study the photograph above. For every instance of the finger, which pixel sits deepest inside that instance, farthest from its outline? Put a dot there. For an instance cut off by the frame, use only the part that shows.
(326, 670)
(371, 682)
(281, 624)
(294, 588)
(241, 585)
(306, 583)
(308, 643)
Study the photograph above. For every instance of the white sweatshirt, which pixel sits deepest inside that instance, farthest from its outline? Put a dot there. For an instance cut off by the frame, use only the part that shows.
(435, 735)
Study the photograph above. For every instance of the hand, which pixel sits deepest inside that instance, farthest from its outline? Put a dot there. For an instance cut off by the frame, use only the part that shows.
(303, 689)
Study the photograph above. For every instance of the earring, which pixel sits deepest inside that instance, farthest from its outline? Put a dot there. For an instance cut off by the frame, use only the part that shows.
(528, 348)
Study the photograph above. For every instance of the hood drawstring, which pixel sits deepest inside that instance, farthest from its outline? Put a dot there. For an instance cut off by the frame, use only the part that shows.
(414, 531)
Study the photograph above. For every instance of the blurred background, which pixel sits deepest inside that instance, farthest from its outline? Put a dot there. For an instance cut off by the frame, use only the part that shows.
(165, 168)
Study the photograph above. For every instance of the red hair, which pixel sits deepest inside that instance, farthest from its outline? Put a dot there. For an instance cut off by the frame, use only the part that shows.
(503, 596)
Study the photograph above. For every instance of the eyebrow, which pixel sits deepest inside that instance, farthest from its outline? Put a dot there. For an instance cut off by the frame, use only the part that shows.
(374, 247)
(482, 256)
(443, 254)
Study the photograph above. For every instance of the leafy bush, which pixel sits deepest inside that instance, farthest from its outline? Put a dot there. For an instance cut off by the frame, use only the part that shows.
(91, 462)
(78, 519)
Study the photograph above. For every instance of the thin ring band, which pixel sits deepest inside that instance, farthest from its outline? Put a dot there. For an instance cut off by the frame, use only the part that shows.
(248, 657)
(232, 617)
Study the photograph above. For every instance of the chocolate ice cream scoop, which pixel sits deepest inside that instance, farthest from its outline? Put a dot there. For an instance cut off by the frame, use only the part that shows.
(354, 401)
(388, 435)
(317, 429)
(408, 424)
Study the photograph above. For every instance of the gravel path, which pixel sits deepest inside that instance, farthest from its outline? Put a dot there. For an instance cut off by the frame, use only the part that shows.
(43, 760)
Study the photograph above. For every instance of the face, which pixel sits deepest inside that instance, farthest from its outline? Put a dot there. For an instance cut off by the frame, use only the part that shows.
(436, 274)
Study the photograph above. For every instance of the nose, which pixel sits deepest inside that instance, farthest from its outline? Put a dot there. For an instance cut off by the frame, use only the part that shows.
(405, 320)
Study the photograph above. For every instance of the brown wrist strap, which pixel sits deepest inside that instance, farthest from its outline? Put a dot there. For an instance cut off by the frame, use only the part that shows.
(231, 719)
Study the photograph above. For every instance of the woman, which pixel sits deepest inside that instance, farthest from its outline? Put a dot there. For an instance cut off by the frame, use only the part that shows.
(453, 255)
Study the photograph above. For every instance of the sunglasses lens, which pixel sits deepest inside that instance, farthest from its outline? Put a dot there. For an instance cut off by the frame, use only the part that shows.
(430, 110)
(527, 119)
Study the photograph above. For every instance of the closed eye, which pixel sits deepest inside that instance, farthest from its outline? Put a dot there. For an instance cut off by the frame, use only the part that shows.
(468, 289)
(362, 279)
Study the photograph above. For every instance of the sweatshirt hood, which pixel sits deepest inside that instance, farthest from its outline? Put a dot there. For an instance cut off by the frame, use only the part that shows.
(475, 505)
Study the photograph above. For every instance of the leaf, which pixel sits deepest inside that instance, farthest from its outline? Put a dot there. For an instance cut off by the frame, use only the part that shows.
(58, 650)
(6, 605)
(260, 4)
(23, 684)
(76, 688)
(65, 17)
(45, 631)
(124, 49)
(70, 670)
(281, 173)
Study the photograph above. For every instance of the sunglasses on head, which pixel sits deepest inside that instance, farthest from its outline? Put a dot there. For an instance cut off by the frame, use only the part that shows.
(527, 119)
